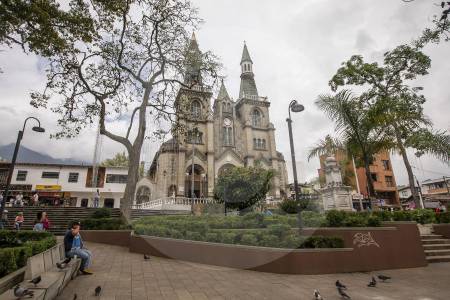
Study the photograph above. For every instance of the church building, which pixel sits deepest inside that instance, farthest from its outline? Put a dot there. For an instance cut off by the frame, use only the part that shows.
(220, 133)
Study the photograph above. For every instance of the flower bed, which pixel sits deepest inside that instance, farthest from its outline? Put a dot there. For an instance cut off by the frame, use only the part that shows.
(17, 246)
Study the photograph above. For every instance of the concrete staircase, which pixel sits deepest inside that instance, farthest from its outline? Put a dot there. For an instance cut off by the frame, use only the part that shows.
(60, 217)
(437, 248)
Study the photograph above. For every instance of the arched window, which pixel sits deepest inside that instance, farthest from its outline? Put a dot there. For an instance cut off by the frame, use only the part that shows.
(264, 144)
(256, 118)
(254, 144)
(224, 106)
(227, 136)
(228, 107)
(195, 137)
(196, 109)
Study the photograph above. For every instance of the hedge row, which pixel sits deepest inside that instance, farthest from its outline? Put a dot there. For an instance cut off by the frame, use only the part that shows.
(104, 224)
(422, 216)
(278, 236)
(19, 246)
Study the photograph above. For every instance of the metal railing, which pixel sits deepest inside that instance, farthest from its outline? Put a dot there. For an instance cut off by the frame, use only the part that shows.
(162, 202)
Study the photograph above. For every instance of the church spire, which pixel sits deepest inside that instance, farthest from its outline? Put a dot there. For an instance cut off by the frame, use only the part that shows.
(223, 93)
(193, 61)
(248, 86)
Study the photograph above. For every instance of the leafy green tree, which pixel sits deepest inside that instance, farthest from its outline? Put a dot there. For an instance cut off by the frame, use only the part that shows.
(394, 105)
(356, 128)
(119, 160)
(243, 187)
(131, 63)
(327, 146)
(43, 27)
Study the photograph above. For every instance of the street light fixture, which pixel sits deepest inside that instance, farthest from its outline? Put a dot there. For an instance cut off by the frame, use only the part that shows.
(14, 158)
(296, 107)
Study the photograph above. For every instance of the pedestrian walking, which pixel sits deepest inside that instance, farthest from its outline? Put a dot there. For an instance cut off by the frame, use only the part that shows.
(96, 198)
(35, 199)
(19, 221)
(19, 200)
(38, 226)
(45, 221)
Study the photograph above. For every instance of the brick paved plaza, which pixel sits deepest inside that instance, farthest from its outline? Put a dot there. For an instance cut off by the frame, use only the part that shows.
(125, 275)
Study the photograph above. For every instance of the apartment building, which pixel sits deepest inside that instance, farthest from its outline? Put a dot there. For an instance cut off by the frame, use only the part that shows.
(70, 185)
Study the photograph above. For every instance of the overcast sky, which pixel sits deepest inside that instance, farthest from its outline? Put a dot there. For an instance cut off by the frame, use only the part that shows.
(296, 47)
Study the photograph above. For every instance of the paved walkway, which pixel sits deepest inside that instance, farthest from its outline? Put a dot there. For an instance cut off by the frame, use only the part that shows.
(125, 275)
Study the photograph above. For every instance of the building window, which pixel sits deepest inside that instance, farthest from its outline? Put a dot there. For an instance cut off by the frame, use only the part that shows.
(256, 118)
(386, 165)
(116, 178)
(259, 144)
(196, 109)
(50, 175)
(389, 181)
(195, 137)
(21, 175)
(374, 176)
(227, 136)
(73, 177)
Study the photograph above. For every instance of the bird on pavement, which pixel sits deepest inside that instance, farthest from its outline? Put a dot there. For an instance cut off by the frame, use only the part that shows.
(383, 277)
(98, 290)
(340, 285)
(36, 280)
(317, 295)
(21, 292)
(372, 283)
(146, 256)
(343, 294)
(75, 296)
(61, 265)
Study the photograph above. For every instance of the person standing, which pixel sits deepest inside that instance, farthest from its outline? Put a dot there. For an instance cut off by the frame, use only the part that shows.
(45, 221)
(73, 246)
(96, 198)
(4, 220)
(35, 199)
(18, 221)
(19, 200)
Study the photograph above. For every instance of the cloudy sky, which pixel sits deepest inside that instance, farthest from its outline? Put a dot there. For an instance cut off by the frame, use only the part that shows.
(296, 46)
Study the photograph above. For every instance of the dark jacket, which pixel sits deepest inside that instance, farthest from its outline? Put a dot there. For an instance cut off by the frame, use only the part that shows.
(68, 240)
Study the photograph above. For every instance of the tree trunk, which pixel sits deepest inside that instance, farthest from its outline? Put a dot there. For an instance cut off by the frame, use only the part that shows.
(414, 193)
(133, 177)
(371, 189)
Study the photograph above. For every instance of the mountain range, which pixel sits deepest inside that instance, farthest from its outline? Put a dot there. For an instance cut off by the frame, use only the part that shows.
(27, 155)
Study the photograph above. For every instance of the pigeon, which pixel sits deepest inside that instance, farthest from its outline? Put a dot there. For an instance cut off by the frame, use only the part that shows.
(61, 265)
(75, 296)
(372, 283)
(383, 277)
(20, 292)
(343, 294)
(98, 290)
(339, 285)
(146, 256)
(317, 295)
(36, 280)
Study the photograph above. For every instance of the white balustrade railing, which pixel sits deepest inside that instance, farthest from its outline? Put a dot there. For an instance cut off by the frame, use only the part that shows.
(161, 203)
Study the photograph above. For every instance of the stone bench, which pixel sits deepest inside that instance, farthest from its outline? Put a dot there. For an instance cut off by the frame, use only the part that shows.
(53, 279)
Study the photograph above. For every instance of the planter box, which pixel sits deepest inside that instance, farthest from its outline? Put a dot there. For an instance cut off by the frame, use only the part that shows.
(111, 237)
(442, 229)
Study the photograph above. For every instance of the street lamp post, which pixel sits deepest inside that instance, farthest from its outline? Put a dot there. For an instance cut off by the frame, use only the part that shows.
(294, 106)
(14, 158)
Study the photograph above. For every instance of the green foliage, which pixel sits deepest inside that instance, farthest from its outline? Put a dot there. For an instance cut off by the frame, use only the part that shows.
(383, 215)
(402, 215)
(443, 217)
(17, 246)
(289, 206)
(243, 187)
(313, 219)
(322, 242)
(119, 160)
(104, 224)
(327, 146)
(101, 213)
(336, 218)
(249, 239)
(423, 216)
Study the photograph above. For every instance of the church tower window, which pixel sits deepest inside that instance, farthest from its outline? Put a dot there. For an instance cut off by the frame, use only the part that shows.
(256, 118)
(227, 136)
(196, 109)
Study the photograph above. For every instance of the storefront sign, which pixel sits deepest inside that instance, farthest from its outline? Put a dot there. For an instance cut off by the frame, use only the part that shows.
(49, 188)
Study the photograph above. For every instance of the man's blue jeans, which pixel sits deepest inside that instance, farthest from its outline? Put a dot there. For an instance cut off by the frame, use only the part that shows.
(85, 256)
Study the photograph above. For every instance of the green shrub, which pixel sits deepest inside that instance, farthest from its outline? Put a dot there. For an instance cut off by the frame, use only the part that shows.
(291, 241)
(335, 218)
(443, 217)
(312, 219)
(383, 215)
(322, 242)
(104, 224)
(269, 240)
(354, 220)
(373, 221)
(17, 246)
(213, 237)
(279, 230)
(402, 215)
(249, 239)
(101, 213)
(289, 206)
(193, 236)
(228, 237)
(424, 216)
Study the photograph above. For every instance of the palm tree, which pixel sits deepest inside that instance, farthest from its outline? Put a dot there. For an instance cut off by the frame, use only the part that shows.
(356, 127)
(327, 146)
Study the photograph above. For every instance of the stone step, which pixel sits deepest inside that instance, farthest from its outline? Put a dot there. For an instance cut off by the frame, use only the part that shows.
(436, 241)
(431, 236)
(437, 252)
(436, 246)
(438, 259)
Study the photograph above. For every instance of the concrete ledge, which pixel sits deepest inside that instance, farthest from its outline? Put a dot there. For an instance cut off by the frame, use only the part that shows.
(10, 280)
(110, 237)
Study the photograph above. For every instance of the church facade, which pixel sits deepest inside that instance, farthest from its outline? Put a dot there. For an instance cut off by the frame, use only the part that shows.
(220, 133)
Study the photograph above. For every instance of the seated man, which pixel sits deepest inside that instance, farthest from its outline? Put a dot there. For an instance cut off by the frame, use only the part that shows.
(73, 246)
